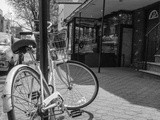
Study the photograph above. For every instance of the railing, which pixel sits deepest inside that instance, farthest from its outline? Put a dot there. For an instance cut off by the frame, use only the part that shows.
(147, 44)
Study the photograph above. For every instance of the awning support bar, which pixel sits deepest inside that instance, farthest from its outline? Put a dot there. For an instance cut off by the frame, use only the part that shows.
(102, 34)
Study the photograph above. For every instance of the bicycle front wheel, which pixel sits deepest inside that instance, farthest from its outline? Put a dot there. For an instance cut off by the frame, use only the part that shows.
(77, 83)
(25, 95)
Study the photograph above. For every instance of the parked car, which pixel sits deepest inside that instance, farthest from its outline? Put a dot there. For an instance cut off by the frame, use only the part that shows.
(7, 58)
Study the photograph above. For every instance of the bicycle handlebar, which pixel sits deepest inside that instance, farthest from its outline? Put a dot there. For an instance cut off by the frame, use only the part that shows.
(37, 33)
(25, 33)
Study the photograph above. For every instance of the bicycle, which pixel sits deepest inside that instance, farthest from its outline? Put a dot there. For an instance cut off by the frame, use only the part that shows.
(71, 85)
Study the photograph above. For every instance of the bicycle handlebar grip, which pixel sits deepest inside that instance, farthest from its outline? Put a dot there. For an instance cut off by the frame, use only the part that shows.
(26, 33)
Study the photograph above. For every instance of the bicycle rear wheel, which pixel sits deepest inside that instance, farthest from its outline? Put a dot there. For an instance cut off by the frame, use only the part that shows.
(25, 95)
(83, 85)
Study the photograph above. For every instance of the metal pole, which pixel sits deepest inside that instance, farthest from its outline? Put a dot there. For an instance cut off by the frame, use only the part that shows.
(102, 33)
(43, 8)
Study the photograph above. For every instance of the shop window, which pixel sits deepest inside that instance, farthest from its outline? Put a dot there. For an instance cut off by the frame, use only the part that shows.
(85, 36)
(109, 44)
(110, 40)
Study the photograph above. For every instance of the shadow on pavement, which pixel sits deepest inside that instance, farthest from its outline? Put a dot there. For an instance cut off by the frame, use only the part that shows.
(87, 116)
(130, 85)
(91, 116)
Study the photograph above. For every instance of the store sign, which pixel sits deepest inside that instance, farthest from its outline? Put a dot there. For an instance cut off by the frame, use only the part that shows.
(153, 15)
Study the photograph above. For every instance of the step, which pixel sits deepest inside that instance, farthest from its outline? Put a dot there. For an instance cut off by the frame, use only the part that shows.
(157, 58)
(153, 66)
(150, 74)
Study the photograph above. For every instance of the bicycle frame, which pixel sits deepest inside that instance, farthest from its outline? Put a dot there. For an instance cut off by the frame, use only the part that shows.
(41, 100)
(53, 70)
(46, 103)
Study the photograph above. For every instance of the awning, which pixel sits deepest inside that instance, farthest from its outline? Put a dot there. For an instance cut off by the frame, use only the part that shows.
(93, 8)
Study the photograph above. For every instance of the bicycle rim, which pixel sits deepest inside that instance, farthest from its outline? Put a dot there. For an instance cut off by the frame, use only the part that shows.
(26, 95)
(83, 87)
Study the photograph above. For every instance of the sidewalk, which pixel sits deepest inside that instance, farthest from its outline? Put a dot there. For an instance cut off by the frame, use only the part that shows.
(124, 95)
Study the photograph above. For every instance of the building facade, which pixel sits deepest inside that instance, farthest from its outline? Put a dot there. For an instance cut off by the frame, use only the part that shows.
(131, 37)
(5, 23)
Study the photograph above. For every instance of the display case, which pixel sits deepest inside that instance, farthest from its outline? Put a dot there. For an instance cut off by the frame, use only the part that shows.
(85, 36)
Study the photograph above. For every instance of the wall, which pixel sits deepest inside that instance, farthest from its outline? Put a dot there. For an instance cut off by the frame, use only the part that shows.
(138, 36)
(143, 24)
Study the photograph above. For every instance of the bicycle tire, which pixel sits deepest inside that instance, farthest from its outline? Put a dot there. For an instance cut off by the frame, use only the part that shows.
(25, 77)
(84, 83)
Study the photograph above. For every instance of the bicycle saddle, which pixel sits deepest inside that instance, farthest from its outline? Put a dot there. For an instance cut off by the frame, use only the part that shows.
(21, 45)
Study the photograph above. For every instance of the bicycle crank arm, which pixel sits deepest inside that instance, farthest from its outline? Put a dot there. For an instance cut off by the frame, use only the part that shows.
(50, 106)
(54, 98)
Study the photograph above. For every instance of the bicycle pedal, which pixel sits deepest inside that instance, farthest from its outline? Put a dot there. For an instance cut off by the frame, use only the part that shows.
(76, 113)
(34, 95)
(58, 112)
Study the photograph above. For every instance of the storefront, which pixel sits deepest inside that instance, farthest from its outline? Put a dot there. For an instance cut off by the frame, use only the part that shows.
(124, 39)
(84, 35)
